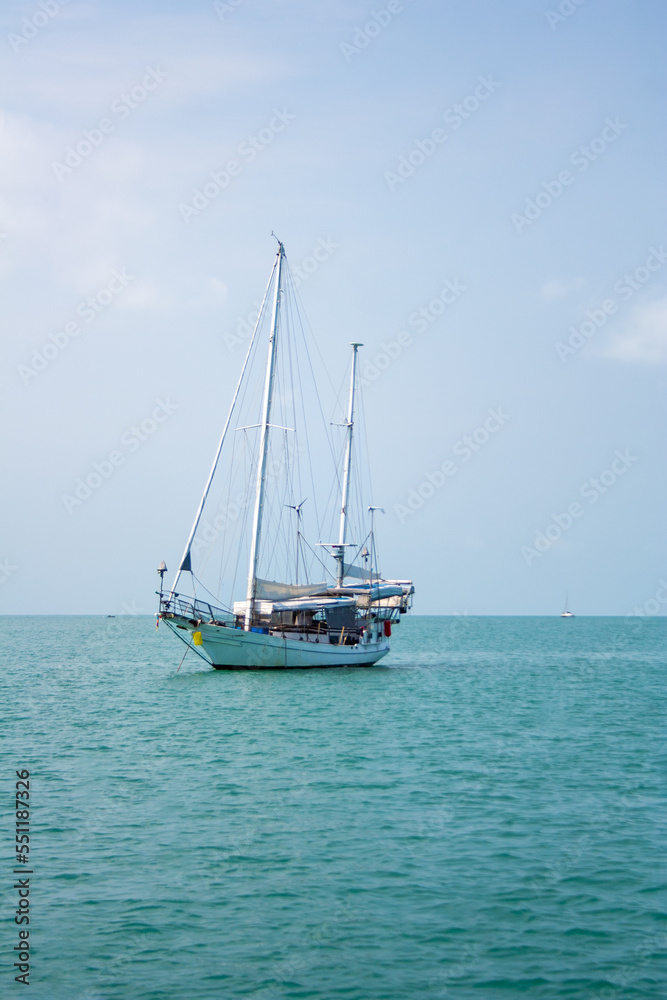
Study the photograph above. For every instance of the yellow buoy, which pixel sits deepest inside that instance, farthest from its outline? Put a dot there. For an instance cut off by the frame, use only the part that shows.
(196, 638)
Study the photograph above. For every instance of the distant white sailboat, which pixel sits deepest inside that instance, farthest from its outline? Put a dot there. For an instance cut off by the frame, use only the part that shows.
(343, 620)
(565, 613)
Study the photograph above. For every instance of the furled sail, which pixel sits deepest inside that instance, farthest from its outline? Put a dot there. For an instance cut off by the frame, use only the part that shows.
(271, 590)
(359, 573)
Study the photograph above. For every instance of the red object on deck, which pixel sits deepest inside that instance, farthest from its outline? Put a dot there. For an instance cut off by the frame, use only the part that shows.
(387, 628)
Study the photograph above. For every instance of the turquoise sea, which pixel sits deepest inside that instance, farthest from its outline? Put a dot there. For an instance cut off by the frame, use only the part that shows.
(482, 816)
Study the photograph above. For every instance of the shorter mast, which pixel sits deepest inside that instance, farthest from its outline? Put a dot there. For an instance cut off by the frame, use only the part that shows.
(347, 471)
(263, 449)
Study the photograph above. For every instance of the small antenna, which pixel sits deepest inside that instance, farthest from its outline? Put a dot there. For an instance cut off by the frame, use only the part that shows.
(161, 570)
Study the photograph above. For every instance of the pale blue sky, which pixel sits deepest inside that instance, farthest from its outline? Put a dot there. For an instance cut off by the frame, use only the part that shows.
(582, 97)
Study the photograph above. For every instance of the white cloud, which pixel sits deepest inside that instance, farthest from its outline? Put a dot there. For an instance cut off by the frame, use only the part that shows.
(96, 75)
(644, 337)
(214, 292)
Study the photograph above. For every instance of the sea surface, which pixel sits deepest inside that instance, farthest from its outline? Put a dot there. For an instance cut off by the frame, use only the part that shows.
(482, 816)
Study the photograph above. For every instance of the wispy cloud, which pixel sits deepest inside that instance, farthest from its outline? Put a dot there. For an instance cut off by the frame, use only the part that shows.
(643, 339)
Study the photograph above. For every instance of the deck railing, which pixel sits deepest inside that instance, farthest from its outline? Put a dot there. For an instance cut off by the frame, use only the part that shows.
(195, 610)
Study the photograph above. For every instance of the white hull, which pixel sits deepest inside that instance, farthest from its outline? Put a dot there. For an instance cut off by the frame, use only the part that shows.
(236, 649)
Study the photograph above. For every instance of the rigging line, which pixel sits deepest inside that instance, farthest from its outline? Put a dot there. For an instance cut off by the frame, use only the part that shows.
(302, 311)
(314, 489)
(354, 557)
(288, 494)
(302, 402)
(211, 594)
(358, 487)
(309, 452)
(340, 461)
(275, 518)
(281, 529)
(219, 509)
(227, 546)
(231, 527)
(369, 476)
(271, 532)
(223, 436)
(265, 556)
(250, 470)
(364, 436)
(290, 350)
(183, 639)
(356, 511)
(323, 564)
(249, 392)
(243, 522)
(226, 549)
(183, 657)
(223, 510)
(335, 487)
(230, 483)
(294, 470)
(220, 571)
(339, 401)
(299, 547)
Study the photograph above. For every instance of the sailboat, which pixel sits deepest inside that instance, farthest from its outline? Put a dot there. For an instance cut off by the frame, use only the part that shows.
(300, 604)
(565, 613)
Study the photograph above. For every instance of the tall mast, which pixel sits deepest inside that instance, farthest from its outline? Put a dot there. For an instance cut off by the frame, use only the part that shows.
(185, 564)
(263, 448)
(347, 470)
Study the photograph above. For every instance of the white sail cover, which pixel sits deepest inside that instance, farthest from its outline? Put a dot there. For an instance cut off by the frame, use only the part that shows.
(358, 573)
(271, 590)
(266, 608)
